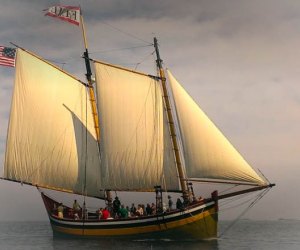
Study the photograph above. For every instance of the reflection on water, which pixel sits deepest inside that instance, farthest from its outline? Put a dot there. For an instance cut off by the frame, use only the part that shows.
(62, 244)
(265, 235)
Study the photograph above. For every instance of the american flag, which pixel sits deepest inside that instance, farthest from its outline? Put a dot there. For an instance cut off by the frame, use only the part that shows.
(7, 56)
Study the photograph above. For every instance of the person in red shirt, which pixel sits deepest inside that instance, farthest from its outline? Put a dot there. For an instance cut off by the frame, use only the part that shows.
(105, 214)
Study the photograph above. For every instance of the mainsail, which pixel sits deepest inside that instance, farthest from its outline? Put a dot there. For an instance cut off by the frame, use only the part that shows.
(50, 128)
(207, 153)
(135, 148)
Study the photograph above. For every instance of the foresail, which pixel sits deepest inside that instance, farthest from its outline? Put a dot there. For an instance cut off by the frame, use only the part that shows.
(132, 130)
(207, 153)
(46, 143)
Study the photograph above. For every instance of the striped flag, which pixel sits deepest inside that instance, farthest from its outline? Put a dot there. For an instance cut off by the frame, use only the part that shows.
(7, 56)
(70, 14)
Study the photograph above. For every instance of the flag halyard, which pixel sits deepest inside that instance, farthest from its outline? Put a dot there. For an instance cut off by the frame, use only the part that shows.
(7, 56)
(69, 14)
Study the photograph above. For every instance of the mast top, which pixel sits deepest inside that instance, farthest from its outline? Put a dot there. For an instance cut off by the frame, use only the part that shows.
(158, 61)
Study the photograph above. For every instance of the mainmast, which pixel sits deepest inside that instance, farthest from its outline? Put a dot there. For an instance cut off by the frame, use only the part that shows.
(171, 124)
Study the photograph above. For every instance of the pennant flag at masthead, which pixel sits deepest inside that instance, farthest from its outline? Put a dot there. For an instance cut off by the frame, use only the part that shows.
(70, 14)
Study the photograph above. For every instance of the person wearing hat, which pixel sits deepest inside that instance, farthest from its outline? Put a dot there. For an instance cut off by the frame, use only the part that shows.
(170, 203)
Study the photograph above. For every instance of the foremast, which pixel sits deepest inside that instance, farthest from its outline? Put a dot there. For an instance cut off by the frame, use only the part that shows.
(92, 93)
(171, 123)
(90, 83)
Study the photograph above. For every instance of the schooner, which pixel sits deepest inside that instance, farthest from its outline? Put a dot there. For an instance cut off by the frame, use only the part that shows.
(124, 131)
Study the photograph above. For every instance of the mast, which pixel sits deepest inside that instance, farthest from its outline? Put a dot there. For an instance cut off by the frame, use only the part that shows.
(90, 83)
(92, 93)
(171, 124)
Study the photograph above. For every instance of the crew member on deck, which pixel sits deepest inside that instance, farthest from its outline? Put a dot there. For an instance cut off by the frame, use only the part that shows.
(60, 211)
(76, 206)
(133, 210)
(105, 214)
(123, 212)
(179, 204)
(170, 203)
(100, 213)
(76, 210)
(139, 211)
(116, 206)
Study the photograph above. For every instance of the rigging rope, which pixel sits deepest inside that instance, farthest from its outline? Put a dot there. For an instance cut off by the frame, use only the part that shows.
(226, 190)
(84, 210)
(235, 198)
(126, 33)
(120, 49)
(137, 64)
(240, 204)
(143, 60)
(259, 196)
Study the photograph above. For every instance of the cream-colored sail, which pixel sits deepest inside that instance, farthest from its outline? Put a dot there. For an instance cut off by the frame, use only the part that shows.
(207, 153)
(132, 130)
(171, 177)
(46, 143)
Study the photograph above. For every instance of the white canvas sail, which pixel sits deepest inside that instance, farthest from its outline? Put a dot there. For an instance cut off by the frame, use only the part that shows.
(46, 143)
(207, 153)
(132, 130)
(170, 177)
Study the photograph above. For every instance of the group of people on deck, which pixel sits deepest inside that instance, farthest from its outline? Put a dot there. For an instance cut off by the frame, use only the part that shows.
(75, 213)
(116, 210)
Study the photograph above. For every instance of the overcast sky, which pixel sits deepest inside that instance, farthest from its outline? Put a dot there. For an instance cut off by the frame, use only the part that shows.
(238, 59)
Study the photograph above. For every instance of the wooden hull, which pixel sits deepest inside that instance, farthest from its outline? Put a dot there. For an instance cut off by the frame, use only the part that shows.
(198, 221)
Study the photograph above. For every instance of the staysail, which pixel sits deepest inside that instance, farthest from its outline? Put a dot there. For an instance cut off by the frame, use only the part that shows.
(49, 130)
(207, 153)
(134, 154)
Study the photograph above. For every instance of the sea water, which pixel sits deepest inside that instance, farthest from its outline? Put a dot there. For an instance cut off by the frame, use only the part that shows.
(245, 234)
